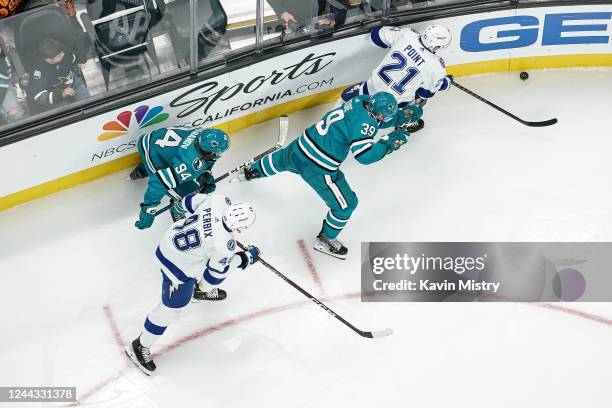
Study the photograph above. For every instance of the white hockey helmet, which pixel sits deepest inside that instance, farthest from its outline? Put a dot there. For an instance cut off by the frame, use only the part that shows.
(435, 37)
(239, 216)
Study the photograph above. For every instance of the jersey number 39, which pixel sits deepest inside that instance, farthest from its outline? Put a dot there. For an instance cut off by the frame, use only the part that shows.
(324, 124)
(399, 65)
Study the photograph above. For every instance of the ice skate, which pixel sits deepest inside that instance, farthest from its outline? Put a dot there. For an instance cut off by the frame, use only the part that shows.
(141, 356)
(211, 295)
(138, 172)
(331, 247)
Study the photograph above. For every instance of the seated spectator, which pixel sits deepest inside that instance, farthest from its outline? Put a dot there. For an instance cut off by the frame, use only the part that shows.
(304, 13)
(11, 108)
(56, 80)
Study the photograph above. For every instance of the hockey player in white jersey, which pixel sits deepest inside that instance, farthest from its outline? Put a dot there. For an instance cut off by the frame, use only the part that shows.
(411, 71)
(195, 255)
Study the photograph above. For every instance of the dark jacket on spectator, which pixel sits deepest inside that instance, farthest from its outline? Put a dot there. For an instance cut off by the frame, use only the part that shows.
(49, 81)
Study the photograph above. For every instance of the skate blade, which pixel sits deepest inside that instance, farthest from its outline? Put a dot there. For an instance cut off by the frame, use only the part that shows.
(323, 251)
(132, 357)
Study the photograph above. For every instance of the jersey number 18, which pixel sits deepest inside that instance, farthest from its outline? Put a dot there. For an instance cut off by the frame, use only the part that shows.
(189, 239)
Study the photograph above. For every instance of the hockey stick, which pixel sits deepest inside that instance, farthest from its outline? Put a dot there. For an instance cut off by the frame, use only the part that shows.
(524, 122)
(369, 334)
(283, 130)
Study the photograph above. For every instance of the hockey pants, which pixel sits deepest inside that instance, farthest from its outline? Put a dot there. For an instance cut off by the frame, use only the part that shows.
(331, 187)
(174, 298)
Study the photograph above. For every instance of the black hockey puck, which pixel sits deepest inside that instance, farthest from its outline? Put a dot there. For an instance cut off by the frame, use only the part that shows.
(524, 76)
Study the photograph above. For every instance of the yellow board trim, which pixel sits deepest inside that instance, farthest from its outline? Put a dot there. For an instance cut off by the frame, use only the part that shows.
(68, 181)
(504, 65)
(524, 63)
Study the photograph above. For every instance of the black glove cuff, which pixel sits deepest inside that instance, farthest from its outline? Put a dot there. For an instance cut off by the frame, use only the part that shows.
(244, 259)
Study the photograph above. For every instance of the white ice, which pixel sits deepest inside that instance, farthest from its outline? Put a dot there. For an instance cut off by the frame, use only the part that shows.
(72, 265)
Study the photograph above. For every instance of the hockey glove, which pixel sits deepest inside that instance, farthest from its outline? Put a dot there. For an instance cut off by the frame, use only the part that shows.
(446, 83)
(395, 140)
(412, 113)
(147, 215)
(248, 256)
(207, 182)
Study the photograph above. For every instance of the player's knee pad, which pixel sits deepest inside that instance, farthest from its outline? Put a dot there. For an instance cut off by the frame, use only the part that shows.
(351, 205)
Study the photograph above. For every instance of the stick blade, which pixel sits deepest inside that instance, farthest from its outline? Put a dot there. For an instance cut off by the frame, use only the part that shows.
(382, 333)
(283, 130)
(549, 122)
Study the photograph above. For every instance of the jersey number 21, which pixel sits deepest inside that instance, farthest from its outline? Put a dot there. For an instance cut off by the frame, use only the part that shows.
(399, 65)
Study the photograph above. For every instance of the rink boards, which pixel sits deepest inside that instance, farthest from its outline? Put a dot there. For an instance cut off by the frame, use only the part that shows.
(510, 40)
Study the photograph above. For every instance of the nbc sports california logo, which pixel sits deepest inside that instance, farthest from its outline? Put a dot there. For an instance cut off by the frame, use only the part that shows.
(144, 116)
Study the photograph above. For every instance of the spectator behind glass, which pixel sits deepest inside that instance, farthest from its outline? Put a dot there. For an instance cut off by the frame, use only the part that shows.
(11, 108)
(302, 12)
(55, 80)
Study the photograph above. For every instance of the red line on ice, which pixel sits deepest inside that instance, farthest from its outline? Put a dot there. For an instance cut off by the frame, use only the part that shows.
(114, 328)
(97, 388)
(311, 266)
(205, 332)
(574, 312)
(252, 316)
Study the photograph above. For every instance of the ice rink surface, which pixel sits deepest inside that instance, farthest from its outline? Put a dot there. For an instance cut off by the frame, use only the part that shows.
(78, 279)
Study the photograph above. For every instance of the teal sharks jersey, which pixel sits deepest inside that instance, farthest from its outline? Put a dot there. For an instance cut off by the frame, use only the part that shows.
(349, 128)
(171, 159)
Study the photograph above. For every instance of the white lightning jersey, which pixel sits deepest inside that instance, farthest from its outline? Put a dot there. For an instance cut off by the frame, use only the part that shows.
(199, 246)
(407, 68)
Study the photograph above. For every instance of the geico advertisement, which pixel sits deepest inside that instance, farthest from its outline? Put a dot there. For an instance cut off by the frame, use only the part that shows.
(480, 37)
(530, 32)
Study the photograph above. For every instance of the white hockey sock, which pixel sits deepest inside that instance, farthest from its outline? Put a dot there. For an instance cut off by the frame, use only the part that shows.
(156, 323)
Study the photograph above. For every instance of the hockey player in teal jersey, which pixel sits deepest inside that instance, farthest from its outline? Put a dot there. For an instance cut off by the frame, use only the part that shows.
(178, 161)
(317, 154)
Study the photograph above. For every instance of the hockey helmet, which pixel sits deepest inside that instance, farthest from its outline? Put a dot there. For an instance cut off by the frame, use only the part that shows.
(383, 103)
(211, 143)
(435, 37)
(238, 217)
